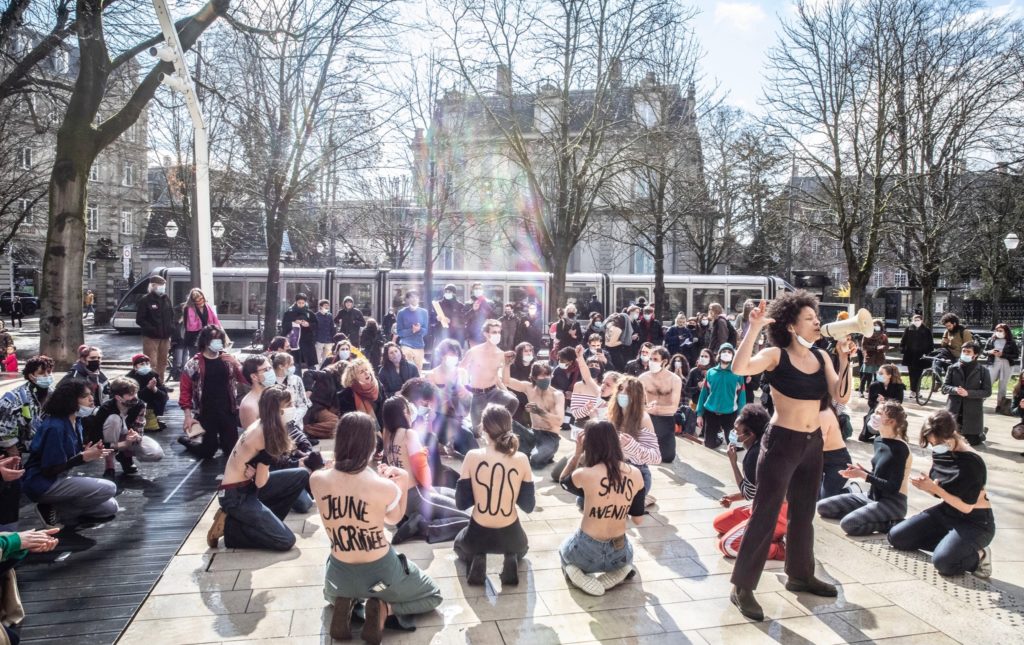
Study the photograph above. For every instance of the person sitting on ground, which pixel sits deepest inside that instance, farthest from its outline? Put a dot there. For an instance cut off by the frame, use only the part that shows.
(627, 411)
(546, 406)
(361, 391)
(278, 344)
(56, 449)
(967, 385)
(611, 491)
(430, 510)
(324, 412)
(885, 505)
(371, 342)
(122, 419)
(151, 391)
(731, 525)
(394, 370)
(450, 424)
(355, 501)
(888, 386)
(284, 373)
(494, 480)
(835, 455)
(253, 500)
(958, 530)
(722, 396)
(89, 369)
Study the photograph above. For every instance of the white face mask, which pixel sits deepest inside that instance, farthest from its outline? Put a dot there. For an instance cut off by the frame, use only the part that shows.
(288, 414)
(527, 359)
(874, 423)
(1000, 334)
(703, 360)
(803, 341)
(495, 338)
(725, 357)
(677, 365)
(939, 449)
(478, 292)
(451, 361)
(918, 323)
(654, 367)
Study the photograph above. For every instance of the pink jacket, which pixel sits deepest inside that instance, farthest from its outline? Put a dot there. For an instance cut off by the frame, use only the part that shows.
(192, 321)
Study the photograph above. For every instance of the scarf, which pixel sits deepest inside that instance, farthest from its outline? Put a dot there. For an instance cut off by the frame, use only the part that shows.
(366, 396)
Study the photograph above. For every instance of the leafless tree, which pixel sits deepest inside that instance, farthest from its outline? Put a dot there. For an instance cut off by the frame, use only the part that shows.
(22, 168)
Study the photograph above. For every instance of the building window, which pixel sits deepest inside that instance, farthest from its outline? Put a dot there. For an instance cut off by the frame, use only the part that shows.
(25, 206)
(94, 171)
(126, 222)
(60, 61)
(25, 158)
(878, 278)
(90, 270)
(900, 279)
(128, 174)
(92, 218)
(815, 247)
(642, 262)
(837, 276)
(132, 133)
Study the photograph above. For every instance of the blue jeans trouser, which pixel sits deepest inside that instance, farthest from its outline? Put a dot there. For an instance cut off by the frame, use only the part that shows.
(545, 446)
(595, 556)
(953, 538)
(256, 515)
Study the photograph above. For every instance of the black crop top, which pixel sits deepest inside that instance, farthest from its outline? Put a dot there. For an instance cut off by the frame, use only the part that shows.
(791, 382)
(961, 473)
(888, 468)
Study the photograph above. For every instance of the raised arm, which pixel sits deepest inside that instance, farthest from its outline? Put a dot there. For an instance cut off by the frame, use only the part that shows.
(506, 375)
(746, 363)
(584, 370)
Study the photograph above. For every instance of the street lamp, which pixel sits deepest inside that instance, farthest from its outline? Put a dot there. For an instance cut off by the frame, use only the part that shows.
(171, 229)
(217, 229)
(1011, 241)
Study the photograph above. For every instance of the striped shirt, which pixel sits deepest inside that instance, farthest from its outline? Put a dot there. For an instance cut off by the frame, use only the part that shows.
(642, 450)
(580, 402)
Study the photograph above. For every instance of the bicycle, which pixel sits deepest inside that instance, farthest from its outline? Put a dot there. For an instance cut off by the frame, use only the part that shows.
(932, 379)
(256, 343)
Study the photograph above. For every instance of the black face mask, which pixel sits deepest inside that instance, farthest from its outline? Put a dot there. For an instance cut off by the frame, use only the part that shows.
(92, 365)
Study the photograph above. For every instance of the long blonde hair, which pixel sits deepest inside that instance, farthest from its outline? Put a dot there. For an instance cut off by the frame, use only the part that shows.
(630, 419)
(277, 441)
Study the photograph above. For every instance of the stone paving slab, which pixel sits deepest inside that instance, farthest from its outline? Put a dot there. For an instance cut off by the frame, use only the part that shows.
(680, 594)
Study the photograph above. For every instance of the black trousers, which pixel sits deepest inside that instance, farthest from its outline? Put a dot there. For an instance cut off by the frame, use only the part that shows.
(789, 468)
(221, 432)
(715, 423)
(665, 429)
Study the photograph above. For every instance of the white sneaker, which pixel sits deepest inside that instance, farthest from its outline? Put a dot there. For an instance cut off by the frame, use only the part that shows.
(582, 581)
(984, 569)
(614, 578)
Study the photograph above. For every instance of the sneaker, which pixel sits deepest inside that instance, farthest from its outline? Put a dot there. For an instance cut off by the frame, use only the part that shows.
(984, 569)
(130, 469)
(48, 514)
(582, 581)
(614, 578)
(216, 531)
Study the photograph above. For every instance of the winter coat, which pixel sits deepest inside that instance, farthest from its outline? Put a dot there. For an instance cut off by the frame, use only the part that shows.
(968, 409)
(350, 321)
(874, 348)
(1011, 351)
(306, 334)
(915, 343)
(155, 316)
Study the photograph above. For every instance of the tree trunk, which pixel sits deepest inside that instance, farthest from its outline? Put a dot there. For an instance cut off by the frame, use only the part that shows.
(659, 274)
(275, 235)
(558, 267)
(927, 299)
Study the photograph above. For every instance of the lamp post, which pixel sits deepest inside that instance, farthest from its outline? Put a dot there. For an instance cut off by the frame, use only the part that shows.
(171, 231)
(217, 230)
(320, 254)
(1011, 242)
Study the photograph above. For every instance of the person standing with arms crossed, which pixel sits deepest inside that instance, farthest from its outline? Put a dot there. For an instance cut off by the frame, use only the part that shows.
(790, 463)
(411, 328)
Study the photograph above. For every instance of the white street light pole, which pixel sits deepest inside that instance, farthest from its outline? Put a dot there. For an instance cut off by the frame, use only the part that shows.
(181, 81)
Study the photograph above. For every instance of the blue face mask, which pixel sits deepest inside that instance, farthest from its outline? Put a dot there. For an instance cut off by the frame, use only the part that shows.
(84, 411)
(939, 449)
(216, 345)
(142, 371)
(290, 370)
(734, 438)
(622, 400)
(880, 377)
(44, 382)
(269, 378)
(543, 383)
(422, 411)
(966, 358)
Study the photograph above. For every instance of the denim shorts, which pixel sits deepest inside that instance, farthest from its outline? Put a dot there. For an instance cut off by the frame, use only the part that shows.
(595, 556)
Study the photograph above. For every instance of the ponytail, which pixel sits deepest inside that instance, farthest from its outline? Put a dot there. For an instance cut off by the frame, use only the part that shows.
(496, 421)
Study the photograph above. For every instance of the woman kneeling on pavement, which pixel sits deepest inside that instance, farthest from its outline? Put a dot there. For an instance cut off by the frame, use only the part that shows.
(355, 501)
(886, 503)
(959, 530)
(612, 490)
(253, 500)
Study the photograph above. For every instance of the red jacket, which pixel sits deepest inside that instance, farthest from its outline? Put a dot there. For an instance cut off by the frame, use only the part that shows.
(11, 363)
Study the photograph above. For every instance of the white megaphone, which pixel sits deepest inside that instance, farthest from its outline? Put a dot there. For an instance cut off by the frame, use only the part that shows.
(862, 323)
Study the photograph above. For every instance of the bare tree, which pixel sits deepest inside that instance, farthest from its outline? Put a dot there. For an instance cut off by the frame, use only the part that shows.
(79, 141)
(22, 168)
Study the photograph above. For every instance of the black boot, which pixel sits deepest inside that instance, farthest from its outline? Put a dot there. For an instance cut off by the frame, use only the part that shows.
(510, 570)
(745, 602)
(812, 586)
(477, 569)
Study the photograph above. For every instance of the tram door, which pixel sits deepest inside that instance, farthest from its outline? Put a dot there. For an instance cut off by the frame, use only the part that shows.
(361, 291)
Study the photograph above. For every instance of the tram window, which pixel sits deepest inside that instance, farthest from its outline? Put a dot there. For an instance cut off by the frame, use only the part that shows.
(739, 296)
(675, 302)
(131, 299)
(702, 298)
(579, 294)
(362, 294)
(179, 291)
(521, 295)
(626, 296)
(437, 291)
(227, 297)
(398, 291)
(496, 294)
(311, 289)
(257, 297)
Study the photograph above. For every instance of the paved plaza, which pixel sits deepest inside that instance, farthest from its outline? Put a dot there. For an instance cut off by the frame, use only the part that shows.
(680, 595)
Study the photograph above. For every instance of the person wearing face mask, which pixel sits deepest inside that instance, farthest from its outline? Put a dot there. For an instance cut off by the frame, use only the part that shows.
(349, 319)
(57, 449)
(640, 364)
(595, 325)
(628, 412)
(915, 344)
(695, 379)
(156, 319)
(196, 313)
(531, 326)
(343, 351)
(678, 335)
(959, 530)
(361, 391)
(520, 370)
(967, 385)
(731, 525)
(284, 373)
(122, 418)
(545, 404)
(633, 316)
(394, 370)
(483, 364)
(151, 391)
(594, 352)
(663, 390)
(721, 397)
(450, 423)
(300, 325)
(704, 332)
(791, 461)
(874, 347)
(254, 500)
(885, 504)
(325, 330)
(649, 329)
(448, 312)
(953, 339)
(325, 408)
(411, 328)
(568, 331)
(509, 327)
(1002, 352)
(89, 368)
(208, 395)
(476, 311)
(258, 373)
(431, 512)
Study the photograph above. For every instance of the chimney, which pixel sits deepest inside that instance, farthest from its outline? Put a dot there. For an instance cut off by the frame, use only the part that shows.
(615, 74)
(504, 80)
(650, 80)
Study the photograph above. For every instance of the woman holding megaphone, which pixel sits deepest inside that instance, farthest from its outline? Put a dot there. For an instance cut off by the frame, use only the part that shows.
(789, 466)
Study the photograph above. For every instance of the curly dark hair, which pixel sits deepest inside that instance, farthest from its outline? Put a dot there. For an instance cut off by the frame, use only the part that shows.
(754, 418)
(786, 311)
(34, 364)
(950, 318)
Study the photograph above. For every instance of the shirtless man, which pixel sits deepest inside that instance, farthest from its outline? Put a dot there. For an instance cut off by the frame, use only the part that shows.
(453, 399)
(258, 372)
(355, 502)
(546, 406)
(483, 364)
(664, 390)
(253, 500)
(612, 490)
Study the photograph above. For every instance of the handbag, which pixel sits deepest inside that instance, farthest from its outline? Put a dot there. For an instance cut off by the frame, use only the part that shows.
(293, 337)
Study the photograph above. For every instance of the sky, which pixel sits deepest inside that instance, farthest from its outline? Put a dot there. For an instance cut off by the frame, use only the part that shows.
(737, 34)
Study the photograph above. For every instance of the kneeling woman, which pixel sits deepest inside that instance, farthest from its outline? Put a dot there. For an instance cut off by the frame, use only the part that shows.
(253, 500)
(355, 501)
(494, 481)
(612, 490)
(959, 530)
(886, 503)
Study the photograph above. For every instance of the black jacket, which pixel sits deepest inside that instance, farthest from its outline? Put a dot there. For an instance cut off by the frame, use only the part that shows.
(562, 330)
(1011, 351)
(307, 335)
(347, 403)
(595, 306)
(915, 343)
(350, 322)
(392, 380)
(156, 401)
(155, 316)
(372, 344)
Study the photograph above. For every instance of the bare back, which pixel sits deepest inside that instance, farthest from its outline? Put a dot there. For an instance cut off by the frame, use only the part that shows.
(353, 509)
(606, 507)
(497, 479)
(246, 448)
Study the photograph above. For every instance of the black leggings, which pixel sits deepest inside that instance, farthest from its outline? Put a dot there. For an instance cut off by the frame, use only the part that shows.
(665, 429)
(476, 539)
(715, 423)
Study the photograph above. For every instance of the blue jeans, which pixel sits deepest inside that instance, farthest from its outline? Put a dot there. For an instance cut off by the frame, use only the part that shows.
(595, 556)
(953, 538)
(645, 472)
(256, 515)
(544, 448)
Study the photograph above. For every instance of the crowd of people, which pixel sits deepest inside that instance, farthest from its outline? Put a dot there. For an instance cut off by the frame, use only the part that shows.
(622, 390)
